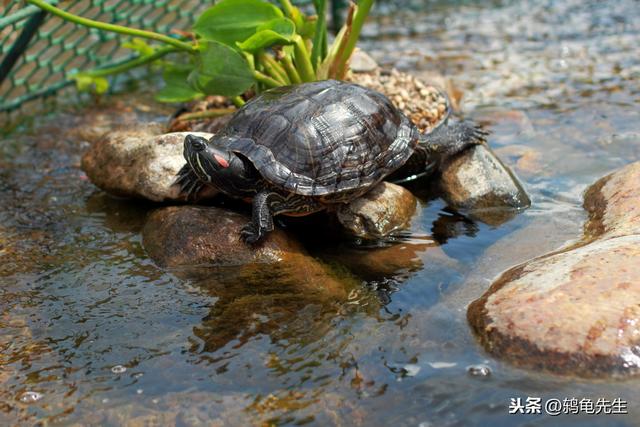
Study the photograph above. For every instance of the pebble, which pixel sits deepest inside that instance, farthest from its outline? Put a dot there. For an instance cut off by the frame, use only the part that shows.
(479, 370)
(424, 104)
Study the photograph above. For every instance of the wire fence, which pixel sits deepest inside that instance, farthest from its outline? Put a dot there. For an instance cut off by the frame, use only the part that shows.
(38, 51)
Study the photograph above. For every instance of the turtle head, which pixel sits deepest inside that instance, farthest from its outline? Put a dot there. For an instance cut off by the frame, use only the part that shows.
(213, 163)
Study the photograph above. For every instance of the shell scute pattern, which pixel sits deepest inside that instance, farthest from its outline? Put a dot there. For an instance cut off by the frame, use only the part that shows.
(322, 139)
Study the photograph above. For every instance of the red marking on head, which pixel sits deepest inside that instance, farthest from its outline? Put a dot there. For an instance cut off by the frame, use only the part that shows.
(221, 161)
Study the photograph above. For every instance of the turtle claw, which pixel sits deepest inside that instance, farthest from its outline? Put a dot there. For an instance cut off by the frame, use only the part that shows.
(189, 183)
(250, 234)
(479, 134)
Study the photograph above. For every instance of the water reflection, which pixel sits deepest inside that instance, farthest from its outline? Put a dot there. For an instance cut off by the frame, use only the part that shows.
(281, 301)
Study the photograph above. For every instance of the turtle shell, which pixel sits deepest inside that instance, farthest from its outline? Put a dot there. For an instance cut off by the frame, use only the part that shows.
(327, 138)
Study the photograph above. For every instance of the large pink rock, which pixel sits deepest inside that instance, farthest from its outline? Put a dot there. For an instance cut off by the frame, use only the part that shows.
(575, 311)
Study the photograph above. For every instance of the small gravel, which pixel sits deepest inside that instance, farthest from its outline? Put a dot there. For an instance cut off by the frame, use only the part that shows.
(424, 104)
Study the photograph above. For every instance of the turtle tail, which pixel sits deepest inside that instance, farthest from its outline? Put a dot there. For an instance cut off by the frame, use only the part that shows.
(449, 139)
(189, 182)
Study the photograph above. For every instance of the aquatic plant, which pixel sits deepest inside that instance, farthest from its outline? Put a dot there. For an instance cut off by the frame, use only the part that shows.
(235, 47)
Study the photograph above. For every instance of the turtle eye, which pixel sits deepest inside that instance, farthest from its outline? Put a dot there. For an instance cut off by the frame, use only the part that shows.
(221, 161)
(197, 144)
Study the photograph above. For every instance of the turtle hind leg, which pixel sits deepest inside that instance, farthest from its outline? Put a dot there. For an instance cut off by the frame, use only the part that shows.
(449, 139)
(188, 182)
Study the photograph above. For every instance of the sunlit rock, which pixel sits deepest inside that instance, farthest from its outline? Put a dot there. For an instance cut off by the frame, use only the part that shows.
(613, 203)
(361, 62)
(381, 211)
(477, 181)
(138, 164)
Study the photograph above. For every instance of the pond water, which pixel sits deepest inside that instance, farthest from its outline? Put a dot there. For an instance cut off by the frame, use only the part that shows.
(93, 333)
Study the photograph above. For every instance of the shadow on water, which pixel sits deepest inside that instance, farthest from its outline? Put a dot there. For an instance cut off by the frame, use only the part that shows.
(108, 338)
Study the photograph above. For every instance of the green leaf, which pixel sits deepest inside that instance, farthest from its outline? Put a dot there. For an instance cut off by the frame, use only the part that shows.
(83, 83)
(139, 45)
(86, 83)
(177, 88)
(277, 31)
(319, 50)
(262, 40)
(282, 26)
(100, 84)
(221, 70)
(231, 21)
(308, 29)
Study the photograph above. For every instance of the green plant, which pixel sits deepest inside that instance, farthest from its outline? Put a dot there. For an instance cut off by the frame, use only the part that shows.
(235, 47)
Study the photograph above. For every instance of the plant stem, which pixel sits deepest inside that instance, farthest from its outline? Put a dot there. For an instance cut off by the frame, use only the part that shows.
(362, 10)
(262, 78)
(126, 66)
(291, 70)
(112, 27)
(302, 60)
(287, 7)
(293, 13)
(237, 101)
(217, 112)
(320, 35)
(274, 68)
(339, 45)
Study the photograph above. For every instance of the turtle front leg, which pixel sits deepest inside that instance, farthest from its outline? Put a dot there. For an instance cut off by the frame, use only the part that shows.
(262, 216)
(188, 182)
(449, 139)
(267, 204)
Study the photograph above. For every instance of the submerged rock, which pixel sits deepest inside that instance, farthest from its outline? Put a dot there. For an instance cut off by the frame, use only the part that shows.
(397, 260)
(138, 164)
(378, 213)
(575, 311)
(477, 181)
(269, 289)
(197, 236)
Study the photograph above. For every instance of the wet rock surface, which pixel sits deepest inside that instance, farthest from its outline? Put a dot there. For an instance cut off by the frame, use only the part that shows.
(477, 181)
(575, 311)
(194, 235)
(138, 164)
(385, 209)
(614, 204)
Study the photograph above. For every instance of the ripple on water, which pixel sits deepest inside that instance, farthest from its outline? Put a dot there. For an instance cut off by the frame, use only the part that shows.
(30, 397)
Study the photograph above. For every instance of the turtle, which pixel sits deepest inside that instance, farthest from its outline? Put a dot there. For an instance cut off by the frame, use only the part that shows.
(299, 149)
